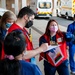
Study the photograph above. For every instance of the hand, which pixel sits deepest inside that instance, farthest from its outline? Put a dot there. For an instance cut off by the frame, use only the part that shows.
(69, 35)
(44, 47)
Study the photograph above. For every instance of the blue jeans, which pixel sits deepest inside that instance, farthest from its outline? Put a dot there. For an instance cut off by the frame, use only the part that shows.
(71, 57)
(62, 69)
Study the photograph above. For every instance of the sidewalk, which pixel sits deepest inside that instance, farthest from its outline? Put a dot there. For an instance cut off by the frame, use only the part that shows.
(41, 26)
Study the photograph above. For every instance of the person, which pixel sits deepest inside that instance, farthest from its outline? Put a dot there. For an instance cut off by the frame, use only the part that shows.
(14, 46)
(7, 20)
(56, 58)
(71, 45)
(25, 20)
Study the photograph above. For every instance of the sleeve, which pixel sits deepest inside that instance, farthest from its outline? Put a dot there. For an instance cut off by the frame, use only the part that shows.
(69, 34)
(69, 28)
(37, 71)
(41, 41)
(3, 33)
(70, 38)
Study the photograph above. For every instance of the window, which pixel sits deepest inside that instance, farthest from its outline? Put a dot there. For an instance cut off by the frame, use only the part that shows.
(44, 5)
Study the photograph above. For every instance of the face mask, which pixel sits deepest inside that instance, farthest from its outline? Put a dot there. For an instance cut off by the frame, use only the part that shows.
(29, 24)
(8, 25)
(53, 28)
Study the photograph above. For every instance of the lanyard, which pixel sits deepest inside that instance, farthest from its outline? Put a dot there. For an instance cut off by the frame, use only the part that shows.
(26, 33)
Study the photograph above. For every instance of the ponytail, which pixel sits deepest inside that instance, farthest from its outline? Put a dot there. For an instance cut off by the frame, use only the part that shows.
(9, 67)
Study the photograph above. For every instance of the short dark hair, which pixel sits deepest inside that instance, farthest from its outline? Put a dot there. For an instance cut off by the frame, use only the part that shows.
(24, 11)
(14, 43)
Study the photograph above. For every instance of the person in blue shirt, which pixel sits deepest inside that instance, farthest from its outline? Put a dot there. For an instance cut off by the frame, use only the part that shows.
(7, 20)
(71, 47)
(14, 48)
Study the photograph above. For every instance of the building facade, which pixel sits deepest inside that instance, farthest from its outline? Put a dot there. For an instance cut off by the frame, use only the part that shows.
(13, 5)
(16, 5)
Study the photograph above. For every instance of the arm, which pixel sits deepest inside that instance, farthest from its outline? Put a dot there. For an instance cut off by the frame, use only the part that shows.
(70, 35)
(69, 29)
(32, 53)
(41, 41)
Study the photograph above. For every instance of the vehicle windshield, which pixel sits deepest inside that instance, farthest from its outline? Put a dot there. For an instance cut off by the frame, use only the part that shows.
(44, 5)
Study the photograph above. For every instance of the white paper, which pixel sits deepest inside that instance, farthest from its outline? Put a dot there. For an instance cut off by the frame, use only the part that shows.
(56, 55)
(51, 47)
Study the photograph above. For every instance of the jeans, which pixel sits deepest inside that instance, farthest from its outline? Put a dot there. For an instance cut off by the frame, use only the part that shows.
(72, 58)
(62, 69)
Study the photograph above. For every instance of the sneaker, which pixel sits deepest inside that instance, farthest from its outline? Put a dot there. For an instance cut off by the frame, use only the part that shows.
(73, 73)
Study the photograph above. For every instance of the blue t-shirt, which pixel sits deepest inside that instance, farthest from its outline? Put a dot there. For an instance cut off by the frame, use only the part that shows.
(29, 68)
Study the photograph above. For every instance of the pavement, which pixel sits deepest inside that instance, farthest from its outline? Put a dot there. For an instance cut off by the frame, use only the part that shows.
(40, 26)
(37, 30)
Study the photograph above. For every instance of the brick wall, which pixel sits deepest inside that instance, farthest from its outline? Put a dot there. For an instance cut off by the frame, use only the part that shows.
(10, 5)
(0, 3)
(20, 4)
(28, 2)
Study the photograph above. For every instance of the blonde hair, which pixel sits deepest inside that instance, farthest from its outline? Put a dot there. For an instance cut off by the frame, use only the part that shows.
(7, 15)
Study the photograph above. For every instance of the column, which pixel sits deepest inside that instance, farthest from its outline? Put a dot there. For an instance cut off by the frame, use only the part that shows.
(3, 4)
(54, 7)
(24, 3)
(16, 7)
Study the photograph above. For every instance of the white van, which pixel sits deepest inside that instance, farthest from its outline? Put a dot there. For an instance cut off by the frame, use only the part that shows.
(42, 8)
(66, 8)
(2, 11)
